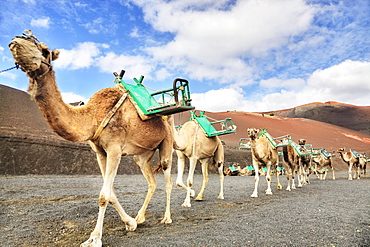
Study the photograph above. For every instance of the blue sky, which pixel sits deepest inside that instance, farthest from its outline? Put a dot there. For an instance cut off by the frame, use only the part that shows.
(247, 55)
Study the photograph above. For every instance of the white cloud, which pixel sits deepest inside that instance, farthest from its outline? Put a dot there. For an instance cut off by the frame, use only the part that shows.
(223, 99)
(347, 82)
(82, 56)
(43, 22)
(9, 75)
(96, 26)
(72, 98)
(294, 84)
(209, 39)
(135, 66)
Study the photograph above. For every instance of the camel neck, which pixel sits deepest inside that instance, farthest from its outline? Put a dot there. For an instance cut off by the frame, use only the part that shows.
(59, 115)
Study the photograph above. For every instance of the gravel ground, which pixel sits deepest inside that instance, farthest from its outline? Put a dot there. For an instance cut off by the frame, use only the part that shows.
(62, 211)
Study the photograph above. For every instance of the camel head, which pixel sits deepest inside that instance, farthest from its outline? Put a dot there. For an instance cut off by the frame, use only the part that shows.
(302, 142)
(253, 133)
(340, 150)
(31, 55)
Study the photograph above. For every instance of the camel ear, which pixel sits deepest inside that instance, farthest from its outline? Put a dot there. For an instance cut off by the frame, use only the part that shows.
(55, 54)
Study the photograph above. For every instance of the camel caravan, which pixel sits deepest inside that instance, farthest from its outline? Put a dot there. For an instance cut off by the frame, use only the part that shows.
(128, 120)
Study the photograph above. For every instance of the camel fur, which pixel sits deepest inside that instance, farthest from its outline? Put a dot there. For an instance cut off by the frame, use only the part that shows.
(263, 154)
(304, 164)
(352, 162)
(322, 164)
(126, 134)
(191, 142)
(290, 162)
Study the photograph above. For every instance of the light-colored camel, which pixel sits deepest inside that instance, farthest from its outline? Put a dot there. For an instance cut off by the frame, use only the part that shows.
(322, 164)
(362, 163)
(233, 170)
(126, 134)
(191, 142)
(352, 162)
(263, 154)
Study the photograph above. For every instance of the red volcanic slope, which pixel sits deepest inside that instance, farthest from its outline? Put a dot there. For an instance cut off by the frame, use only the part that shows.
(319, 134)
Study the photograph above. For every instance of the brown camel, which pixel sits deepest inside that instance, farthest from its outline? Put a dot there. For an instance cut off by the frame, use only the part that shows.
(322, 162)
(304, 162)
(352, 161)
(264, 154)
(126, 133)
(191, 142)
(291, 163)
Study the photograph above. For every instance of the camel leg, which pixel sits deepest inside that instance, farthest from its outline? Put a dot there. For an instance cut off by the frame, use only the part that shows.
(300, 176)
(293, 176)
(325, 173)
(350, 171)
(279, 187)
(106, 196)
(288, 174)
(144, 162)
(333, 173)
(219, 158)
(165, 159)
(102, 161)
(358, 169)
(365, 170)
(221, 178)
(256, 179)
(180, 169)
(190, 192)
(204, 163)
(268, 179)
(316, 173)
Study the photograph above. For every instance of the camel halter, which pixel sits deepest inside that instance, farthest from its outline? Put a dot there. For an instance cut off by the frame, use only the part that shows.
(109, 116)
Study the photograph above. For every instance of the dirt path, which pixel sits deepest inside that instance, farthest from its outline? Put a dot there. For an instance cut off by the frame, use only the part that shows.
(62, 211)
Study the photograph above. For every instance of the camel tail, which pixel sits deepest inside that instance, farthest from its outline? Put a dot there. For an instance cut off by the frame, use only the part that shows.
(285, 154)
(158, 168)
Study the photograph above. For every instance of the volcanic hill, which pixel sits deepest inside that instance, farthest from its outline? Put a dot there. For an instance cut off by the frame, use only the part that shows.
(28, 146)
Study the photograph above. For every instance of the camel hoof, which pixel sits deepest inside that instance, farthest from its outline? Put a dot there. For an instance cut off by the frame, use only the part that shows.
(220, 197)
(299, 186)
(288, 189)
(92, 242)
(186, 204)
(139, 219)
(166, 220)
(268, 193)
(131, 225)
(293, 187)
(199, 199)
(254, 195)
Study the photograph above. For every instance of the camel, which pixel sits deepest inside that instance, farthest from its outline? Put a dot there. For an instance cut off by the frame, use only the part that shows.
(264, 154)
(191, 142)
(362, 163)
(352, 161)
(304, 163)
(322, 162)
(291, 164)
(125, 134)
(233, 170)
